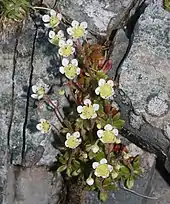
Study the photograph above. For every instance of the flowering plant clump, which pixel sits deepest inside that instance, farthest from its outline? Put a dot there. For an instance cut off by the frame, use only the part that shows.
(91, 147)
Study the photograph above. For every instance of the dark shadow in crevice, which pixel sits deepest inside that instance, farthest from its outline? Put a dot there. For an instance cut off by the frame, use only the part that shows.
(160, 166)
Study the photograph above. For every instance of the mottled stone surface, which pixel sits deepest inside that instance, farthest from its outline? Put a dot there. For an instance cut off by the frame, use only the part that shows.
(101, 15)
(32, 185)
(145, 78)
(159, 189)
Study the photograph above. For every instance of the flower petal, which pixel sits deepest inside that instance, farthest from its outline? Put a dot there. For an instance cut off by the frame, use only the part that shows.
(59, 16)
(69, 31)
(90, 181)
(51, 34)
(103, 161)
(69, 42)
(74, 62)
(46, 18)
(60, 33)
(97, 90)
(100, 133)
(110, 168)
(110, 82)
(87, 102)
(94, 116)
(61, 43)
(76, 134)
(73, 50)
(68, 135)
(47, 25)
(95, 165)
(38, 126)
(75, 23)
(34, 88)
(66, 144)
(116, 132)
(42, 120)
(65, 62)
(96, 106)
(53, 12)
(118, 141)
(35, 96)
(84, 24)
(79, 109)
(108, 127)
(101, 82)
(61, 69)
(78, 71)
(83, 117)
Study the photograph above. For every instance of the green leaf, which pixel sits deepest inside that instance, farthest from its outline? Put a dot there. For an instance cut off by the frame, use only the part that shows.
(136, 162)
(62, 168)
(91, 155)
(101, 75)
(103, 196)
(68, 172)
(118, 123)
(124, 171)
(130, 182)
(99, 156)
(76, 172)
(76, 164)
(97, 182)
(117, 116)
(62, 160)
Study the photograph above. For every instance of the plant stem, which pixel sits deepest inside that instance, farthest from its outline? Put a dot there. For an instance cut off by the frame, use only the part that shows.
(40, 8)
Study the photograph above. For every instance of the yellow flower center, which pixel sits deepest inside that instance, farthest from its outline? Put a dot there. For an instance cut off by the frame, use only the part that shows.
(78, 31)
(102, 170)
(41, 91)
(72, 142)
(66, 50)
(53, 21)
(45, 126)
(88, 111)
(105, 91)
(108, 137)
(70, 71)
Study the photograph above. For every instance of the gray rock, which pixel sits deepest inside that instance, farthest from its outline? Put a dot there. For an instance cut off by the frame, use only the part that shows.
(145, 80)
(101, 16)
(32, 185)
(119, 48)
(159, 189)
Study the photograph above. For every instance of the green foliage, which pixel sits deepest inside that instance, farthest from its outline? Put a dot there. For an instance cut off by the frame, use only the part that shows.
(14, 10)
(166, 4)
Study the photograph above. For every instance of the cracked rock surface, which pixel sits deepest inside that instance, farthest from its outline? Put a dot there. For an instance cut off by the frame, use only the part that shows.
(144, 80)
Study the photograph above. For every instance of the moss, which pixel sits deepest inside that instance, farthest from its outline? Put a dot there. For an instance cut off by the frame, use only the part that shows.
(166, 4)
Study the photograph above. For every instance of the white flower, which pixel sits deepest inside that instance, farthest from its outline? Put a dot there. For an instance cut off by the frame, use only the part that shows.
(88, 111)
(90, 181)
(66, 48)
(52, 20)
(108, 135)
(102, 169)
(55, 38)
(70, 68)
(77, 30)
(39, 90)
(105, 89)
(44, 126)
(73, 140)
